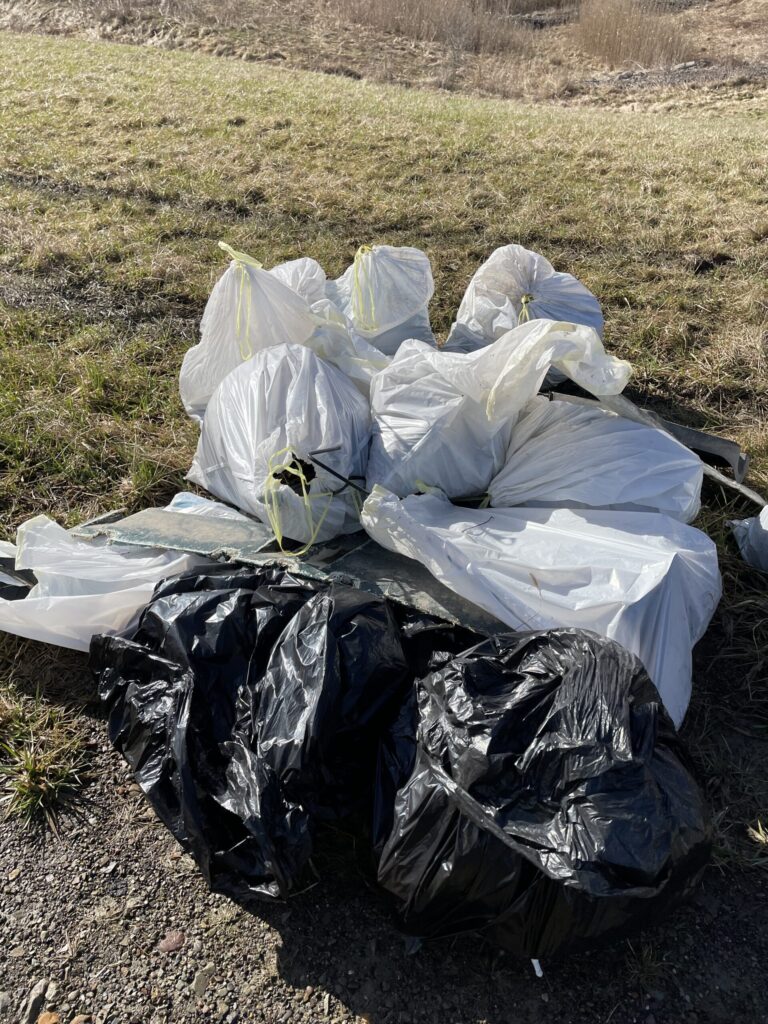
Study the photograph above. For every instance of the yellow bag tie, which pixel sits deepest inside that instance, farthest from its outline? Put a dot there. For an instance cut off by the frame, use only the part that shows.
(242, 261)
(525, 313)
(271, 500)
(365, 322)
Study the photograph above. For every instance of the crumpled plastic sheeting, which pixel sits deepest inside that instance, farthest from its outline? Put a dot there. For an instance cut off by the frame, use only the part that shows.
(641, 578)
(534, 789)
(515, 285)
(249, 705)
(280, 406)
(566, 455)
(752, 538)
(445, 419)
(83, 587)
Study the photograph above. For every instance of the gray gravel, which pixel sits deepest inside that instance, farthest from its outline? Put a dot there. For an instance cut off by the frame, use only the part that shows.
(81, 918)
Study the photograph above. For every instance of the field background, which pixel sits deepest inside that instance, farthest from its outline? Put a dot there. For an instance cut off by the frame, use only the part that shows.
(120, 169)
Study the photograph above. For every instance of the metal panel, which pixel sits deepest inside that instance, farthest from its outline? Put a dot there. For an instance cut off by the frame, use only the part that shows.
(354, 558)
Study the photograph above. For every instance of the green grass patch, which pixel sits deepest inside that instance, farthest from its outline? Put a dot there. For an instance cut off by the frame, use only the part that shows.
(42, 761)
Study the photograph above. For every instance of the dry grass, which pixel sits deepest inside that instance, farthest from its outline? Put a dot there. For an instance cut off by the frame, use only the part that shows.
(42, 760)
(473, 26)
(631, 32)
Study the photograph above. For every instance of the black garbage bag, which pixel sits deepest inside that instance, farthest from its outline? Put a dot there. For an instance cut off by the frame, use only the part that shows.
(248, 704)
(535, 790)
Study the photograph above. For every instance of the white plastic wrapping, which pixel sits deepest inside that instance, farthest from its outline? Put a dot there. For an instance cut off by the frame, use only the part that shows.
(445, 419)
(84, 587)
(385, 295)
(643, 579)
(566, 455)
(188, 503)
(752, 538)
(248, 310)
(277, 408)
(515, 285)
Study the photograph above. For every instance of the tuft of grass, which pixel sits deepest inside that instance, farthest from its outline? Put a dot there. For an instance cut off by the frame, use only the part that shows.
(645, 966)
(631, 31)
(42, 761)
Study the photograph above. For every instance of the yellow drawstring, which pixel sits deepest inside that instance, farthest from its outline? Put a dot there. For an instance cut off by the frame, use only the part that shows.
(242, 261)
(358, 302)
(525, 313)
(272, 502)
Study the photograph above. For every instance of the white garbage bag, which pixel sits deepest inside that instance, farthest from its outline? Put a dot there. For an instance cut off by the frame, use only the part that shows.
(385, 295)
(334, 341)
(566, 455)
(304, 276)
(84, 587)
(752, 538)
(248, 310)
(513, 286)
(263, 423)
(445, 419)
(643, 579)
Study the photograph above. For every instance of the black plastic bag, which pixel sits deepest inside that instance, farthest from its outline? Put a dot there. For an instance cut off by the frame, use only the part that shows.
(248, 704)
(534, 789)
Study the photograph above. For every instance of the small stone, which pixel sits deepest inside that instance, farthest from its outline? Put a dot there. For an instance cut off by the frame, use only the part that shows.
(200, 984)
(172, 942)
(81, 1018)
(52, 991)
(34, 1002)
(13, 875)
(545, 997)
(221, 1009)
(16, 952)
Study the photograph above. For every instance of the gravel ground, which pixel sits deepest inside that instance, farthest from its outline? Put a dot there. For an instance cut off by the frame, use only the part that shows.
(85, 918)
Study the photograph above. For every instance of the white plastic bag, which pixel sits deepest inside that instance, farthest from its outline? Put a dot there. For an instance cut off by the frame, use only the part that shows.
(445, 419)
(513, 286)
(385, 295)
(262, 424)
(84, 587)
(643, 579)
(566, 455)
(335, 343)
(249, 310)
(752, 538)
(304, 276)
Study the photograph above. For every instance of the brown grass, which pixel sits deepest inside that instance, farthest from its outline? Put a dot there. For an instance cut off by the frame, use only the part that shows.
(473, 26)
(631, 32)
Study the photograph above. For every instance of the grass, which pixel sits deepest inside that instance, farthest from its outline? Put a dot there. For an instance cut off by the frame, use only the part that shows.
(120, 168)
(631, 32)
(41, 756)
(465, 25)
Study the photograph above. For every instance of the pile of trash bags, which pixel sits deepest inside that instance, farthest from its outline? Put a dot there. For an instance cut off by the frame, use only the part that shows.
(327, 405)
(529, 786)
